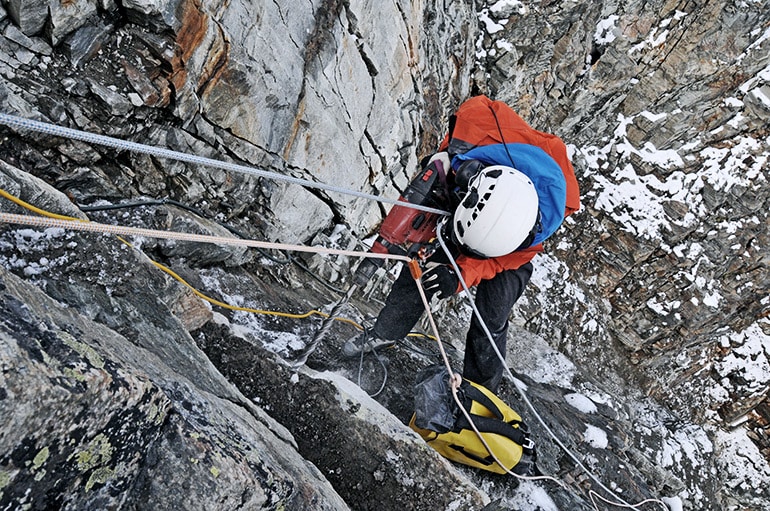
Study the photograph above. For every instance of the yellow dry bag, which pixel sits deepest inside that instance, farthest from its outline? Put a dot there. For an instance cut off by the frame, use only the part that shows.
(501, 427)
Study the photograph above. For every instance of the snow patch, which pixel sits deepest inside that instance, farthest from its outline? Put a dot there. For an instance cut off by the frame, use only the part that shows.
(490, 25)
(761, 94)
(756, 44)
(531, 496)
(636, 201)
(656, 38)
(504, 45)
(32, 244)
(595, 437)
(741, 463)
(581, 403)
(653, 117)
(606, 29)
(502, 6)
(550, 273)
(673, 503)
(688, 442)
(248, 325)
(371, 411)
(748, 359)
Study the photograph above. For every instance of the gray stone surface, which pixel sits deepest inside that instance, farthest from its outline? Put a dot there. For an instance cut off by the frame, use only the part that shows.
(658, 102)
(90, 419)
(656, 291)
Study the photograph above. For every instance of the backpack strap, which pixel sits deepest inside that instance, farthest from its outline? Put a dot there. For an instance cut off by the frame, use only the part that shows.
(495, 425)
(498, 427)
(473, 394)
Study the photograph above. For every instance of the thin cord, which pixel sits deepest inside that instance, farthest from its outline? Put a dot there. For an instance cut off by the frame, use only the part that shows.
(34, 209)
(182, 236)
(162, 202)
(502, 137)
(166, 269)
(361, 367)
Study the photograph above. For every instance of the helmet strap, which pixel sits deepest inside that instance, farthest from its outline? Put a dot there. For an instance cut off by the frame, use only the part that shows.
(538, 227)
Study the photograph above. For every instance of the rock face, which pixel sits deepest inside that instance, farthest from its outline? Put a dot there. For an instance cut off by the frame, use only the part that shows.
(665, 106)
(121, 388)
(91, 420)
(107, 401)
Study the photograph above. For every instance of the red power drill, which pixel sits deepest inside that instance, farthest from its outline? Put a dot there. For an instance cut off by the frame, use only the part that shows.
(405, 225)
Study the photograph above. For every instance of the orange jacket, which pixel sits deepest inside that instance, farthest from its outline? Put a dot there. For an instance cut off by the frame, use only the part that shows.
(484, 130)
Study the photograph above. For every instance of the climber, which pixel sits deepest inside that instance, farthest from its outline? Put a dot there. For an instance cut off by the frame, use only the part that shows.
(508, 187)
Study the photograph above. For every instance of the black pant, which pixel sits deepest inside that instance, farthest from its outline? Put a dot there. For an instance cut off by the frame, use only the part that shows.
(494, 300)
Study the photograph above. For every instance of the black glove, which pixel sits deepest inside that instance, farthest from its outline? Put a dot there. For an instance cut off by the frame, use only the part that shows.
(440, 279)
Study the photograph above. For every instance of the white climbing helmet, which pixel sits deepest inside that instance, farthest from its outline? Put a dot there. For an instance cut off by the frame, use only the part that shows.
(498, 215)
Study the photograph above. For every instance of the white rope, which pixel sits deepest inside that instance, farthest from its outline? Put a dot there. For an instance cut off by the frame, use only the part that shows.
(522, 390)
(38, 221)
(92, 138)
(593, 495)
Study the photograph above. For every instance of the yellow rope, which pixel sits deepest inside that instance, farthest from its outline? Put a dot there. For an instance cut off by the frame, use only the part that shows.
(248, 309)
(34, 209)
(178, 278)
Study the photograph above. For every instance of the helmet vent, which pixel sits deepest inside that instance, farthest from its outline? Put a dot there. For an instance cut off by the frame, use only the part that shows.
(471, 198)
